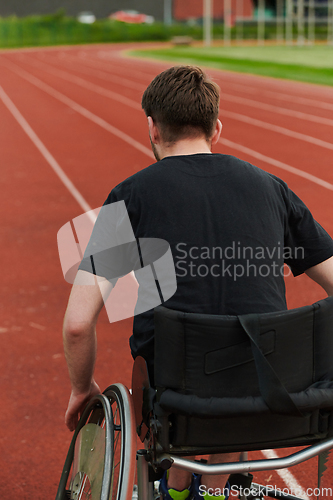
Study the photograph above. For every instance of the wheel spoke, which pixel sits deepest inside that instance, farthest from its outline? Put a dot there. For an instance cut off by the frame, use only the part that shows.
(81, 487)
(100, 465)
(116, 441)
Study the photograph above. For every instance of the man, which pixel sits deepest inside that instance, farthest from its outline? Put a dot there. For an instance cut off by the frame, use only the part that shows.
(231, 227)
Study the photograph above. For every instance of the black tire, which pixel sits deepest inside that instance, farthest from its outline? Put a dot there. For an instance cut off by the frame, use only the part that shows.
(124, 442)
(100, 463)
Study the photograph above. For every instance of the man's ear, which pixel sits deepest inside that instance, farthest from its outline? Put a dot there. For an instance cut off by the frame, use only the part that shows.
(217, 132)
(153, 131)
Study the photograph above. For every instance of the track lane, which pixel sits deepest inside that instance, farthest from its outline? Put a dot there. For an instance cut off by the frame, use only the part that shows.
(35, 387)
(95, 111)
(279, 173)
(322, 134)
(314, 484)
(315, 109)
(32, 297)
(43, 150)
(297, 294)
(303, 155)
(320, 114)
(311, 165)
(85, 149)
(57, 130)
(261, 83)
(272, 142)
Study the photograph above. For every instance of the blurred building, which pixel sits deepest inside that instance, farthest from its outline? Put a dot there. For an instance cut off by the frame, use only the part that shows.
(101, 8)
(193, 9)
(182, 10)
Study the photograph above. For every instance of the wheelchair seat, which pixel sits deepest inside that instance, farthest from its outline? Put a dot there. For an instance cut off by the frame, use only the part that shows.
(228, 383)
(222, 384)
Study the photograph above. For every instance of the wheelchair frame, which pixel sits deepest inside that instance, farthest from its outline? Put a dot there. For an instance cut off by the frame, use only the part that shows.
(108, 489)
(101, 460)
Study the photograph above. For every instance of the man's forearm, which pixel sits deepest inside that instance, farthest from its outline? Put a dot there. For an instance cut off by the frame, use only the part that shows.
(79, 336)
(80, 352)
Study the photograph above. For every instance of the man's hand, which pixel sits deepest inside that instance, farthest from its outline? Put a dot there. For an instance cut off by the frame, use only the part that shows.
(77, 403)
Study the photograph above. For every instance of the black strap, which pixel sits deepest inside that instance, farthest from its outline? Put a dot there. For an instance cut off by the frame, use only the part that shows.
(241, 481)
(271, 388)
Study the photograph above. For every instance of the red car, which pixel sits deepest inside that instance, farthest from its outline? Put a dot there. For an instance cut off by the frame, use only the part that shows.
(132, 16)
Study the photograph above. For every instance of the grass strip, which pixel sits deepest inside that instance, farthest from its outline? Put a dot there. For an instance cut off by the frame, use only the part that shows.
(298, 72)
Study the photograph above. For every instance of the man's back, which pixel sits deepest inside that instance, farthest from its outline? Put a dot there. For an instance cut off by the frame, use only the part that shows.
(215, 211)
(231, 226)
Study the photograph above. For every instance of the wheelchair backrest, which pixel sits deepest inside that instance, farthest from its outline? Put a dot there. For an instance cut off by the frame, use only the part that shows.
(275, 365)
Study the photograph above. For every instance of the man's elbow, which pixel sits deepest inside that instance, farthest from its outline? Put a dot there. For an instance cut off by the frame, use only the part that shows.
(323, 275)
(329, 290)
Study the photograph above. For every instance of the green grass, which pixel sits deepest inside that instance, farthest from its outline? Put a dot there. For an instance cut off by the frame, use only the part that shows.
(312, 64)
(56, 29)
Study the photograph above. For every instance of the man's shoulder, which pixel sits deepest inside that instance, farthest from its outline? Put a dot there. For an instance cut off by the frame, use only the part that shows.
(124, 189)
(160, 172)
(140, 175)
(245, 168)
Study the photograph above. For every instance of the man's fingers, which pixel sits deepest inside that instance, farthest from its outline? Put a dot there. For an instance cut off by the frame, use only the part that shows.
(77, 405)
(71, 424)
(71, 421)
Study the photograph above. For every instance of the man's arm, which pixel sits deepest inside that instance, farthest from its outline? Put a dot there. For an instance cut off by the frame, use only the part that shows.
(323, 275)
(79, 336)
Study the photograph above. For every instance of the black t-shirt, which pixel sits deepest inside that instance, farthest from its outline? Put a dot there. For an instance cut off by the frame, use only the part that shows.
(231, 227)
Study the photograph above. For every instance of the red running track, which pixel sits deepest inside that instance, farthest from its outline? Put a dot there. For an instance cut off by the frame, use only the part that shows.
(81, 107)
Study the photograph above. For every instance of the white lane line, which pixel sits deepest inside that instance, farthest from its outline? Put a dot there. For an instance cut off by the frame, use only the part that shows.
(110, 128)
(276, 109)
(45, 66)
(49, 158)
(80, 109)
(283, 97)
(291, 87)
(128, 67)
(228, 78)
(276, 128)
(224, 113)
(102, 74)
(43, 150)
(277, 163)
(289, 479)
(255, 103)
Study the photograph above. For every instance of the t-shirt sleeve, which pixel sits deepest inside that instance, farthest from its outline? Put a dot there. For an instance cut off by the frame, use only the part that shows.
(112, 249)
(306, 242)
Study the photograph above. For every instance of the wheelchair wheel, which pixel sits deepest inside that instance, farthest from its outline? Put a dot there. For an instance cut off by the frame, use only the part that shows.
(124, 442)
(100, 464)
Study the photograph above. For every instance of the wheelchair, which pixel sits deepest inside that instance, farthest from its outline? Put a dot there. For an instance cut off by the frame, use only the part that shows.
(221, 384)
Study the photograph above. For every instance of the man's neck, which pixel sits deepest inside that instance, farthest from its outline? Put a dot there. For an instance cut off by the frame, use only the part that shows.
(186, 147)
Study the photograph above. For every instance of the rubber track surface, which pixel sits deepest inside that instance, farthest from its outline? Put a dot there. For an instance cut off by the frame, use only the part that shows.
(35, 204)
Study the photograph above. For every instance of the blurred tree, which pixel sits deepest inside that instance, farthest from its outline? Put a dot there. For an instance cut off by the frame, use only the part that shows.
(270, 4)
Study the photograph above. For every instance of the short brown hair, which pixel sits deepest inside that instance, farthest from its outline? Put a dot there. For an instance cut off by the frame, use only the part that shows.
(184, 102)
